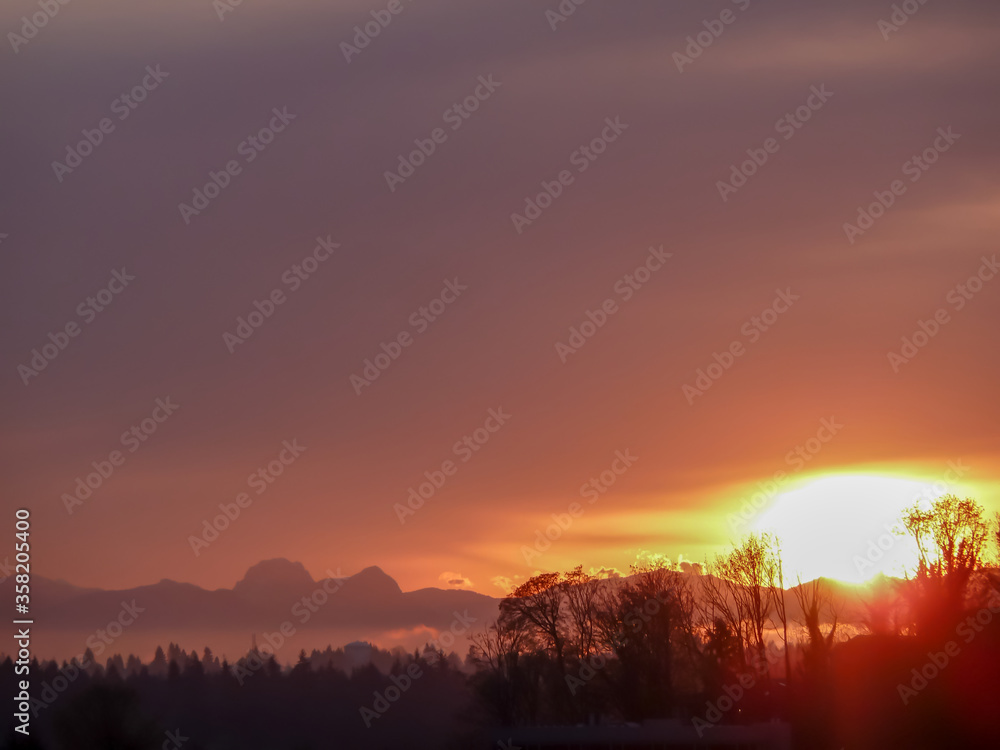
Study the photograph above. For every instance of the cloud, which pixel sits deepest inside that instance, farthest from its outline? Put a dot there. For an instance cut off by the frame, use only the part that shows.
(656, 559)
(658, 184)
(605, 572)
(505, 583)
(689, 567)
(455, 579)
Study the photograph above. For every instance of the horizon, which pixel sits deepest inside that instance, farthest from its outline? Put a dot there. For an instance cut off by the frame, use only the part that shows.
(603, 572)
(505, 297)
(390, 575)
(709, 335)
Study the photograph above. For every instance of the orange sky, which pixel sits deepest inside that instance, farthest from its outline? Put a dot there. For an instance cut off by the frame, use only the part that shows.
(494, 345)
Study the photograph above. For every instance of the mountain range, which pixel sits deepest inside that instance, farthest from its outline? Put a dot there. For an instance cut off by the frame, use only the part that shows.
(368, 605)
(270, 593)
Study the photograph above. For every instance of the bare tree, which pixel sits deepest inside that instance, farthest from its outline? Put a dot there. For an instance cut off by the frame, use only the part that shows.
(884, 608)
(581, 599)
(720, 611)
(647, 622)
(951, 539)
(812, 601)
(744, 590)
(778, 597)
(497, 648)
(540, 603)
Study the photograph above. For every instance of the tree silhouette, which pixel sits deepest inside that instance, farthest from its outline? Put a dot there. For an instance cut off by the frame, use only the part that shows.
(106, 717)
(951, 539)
(743, 589)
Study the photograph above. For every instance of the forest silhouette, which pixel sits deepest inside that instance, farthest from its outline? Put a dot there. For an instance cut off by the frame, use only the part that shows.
(727, 645)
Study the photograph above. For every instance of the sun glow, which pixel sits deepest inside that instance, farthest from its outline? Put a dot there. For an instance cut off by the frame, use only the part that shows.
(845, 527)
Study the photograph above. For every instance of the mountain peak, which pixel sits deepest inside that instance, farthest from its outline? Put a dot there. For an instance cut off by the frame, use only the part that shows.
(375, 581)
(277, 573)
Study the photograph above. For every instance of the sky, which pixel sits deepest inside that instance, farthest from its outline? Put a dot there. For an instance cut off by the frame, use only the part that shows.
(779, 291)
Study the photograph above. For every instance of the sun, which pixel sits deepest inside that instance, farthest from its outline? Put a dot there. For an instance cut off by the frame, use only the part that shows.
(845, 526)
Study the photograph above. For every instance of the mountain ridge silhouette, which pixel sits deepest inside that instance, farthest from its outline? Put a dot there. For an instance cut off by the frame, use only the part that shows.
(263, 598)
